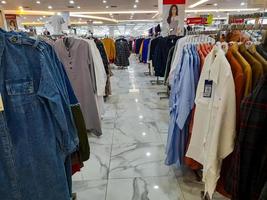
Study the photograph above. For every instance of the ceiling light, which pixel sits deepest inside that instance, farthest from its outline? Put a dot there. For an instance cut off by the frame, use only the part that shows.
(80, 19)
(156, 187)
(116, 12)
(24, 17)
(224, 10)
(50, 7)
(78, 7)
(97, 22)
(71, 2)
(136, 1)
(58, 13)
(3, 2)
(107, 6)
(242, 3)
(20, 7)
(44, 16)
(198, 3)
(104, 1)
(215, 4)
(135, 6)
(38, 2)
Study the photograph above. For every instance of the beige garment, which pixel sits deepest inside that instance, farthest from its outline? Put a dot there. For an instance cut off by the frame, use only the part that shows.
(214, 127)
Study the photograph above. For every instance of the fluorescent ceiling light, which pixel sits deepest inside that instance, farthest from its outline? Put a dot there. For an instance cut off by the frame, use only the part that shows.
(117, 12)
(97, 22)
(198, 3)
(223, 10)
(93, 17)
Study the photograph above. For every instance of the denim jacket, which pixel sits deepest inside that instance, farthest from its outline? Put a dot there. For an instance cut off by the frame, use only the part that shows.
(37, 132)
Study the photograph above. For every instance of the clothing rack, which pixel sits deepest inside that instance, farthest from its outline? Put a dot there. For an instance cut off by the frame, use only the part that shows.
(203, 32)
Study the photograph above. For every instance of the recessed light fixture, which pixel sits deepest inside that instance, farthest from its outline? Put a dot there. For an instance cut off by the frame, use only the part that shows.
(71, 2)
(242, 3)
(3, 2)
(50, 7)
(215, 4)
(78, 7)
(20, 7)
(107, 6)
(136, 1)
(104, 1)
(38, 2)
(44, 16)
(135, 6)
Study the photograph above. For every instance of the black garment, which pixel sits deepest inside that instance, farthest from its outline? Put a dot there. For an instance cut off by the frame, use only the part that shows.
(131, 45)
(249, 173)
(169, 62)
(84, 148)
(161, 54)
(122, 53)
(262, 50)
(103, 54)
(153, 46)
(138, 44)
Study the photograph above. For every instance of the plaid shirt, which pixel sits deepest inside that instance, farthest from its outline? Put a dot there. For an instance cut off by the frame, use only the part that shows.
(249, 173)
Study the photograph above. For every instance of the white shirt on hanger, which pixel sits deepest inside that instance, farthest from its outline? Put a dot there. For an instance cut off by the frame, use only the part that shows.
(214, 126)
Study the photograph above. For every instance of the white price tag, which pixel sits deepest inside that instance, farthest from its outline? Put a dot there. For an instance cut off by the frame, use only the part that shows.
(1, 104)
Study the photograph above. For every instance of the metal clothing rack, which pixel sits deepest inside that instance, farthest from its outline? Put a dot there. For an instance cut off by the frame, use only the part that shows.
(149, 70)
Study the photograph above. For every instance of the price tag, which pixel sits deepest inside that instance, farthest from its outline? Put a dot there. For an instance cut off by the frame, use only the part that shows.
(1, 104)
(207, 89)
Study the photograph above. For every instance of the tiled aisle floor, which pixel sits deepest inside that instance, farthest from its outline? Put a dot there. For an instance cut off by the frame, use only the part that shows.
(127, 162)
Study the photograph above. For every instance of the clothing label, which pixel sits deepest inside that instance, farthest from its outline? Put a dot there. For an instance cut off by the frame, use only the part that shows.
(1, 104)
(207, 89)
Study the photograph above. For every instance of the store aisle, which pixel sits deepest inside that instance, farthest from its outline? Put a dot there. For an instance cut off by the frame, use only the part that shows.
(127, 162)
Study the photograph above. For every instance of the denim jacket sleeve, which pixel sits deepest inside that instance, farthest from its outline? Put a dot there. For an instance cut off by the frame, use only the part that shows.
(55, 94)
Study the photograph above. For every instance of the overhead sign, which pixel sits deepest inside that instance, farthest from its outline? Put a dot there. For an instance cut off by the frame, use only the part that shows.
(202, 20)
(196, 20)
(169, 2)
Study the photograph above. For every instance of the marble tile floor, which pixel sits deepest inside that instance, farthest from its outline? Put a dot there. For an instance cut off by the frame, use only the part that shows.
(127, 161)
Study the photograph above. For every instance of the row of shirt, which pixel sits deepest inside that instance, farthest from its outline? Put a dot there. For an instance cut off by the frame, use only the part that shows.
(202, 137)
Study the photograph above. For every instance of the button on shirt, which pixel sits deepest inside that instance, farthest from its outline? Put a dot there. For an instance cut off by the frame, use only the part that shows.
(215, 118)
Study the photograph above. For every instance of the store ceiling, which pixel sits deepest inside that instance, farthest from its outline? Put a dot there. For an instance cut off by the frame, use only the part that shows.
(111, 6)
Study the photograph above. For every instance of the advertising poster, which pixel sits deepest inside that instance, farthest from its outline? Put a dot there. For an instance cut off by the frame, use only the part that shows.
(11, 21)
(173, 17)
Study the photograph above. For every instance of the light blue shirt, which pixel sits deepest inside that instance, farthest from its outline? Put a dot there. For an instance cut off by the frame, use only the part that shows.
(181, 104)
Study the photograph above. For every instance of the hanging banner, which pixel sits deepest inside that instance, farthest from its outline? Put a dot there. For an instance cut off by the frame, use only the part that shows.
(173, 15)
(11, 21)
(196, 20)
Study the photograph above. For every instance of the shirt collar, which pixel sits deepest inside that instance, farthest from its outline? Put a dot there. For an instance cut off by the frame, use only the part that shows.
(213, 64)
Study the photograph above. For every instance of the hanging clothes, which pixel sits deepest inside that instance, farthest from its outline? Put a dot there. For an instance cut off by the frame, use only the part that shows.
(37, 128)
(252, 50)
(181, 103)
(161, 54)
(79, 66)
(250, 166)
(103, 53)
(168, 65)
(262, 50)
(257, 69)
(145, 50)
(123, 53)
(246, 68)
(210, 143)
(100, 74)
(138, 44)
(110, 49)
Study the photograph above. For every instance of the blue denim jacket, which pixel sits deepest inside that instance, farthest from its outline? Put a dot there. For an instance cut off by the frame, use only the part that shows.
(37, 132)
